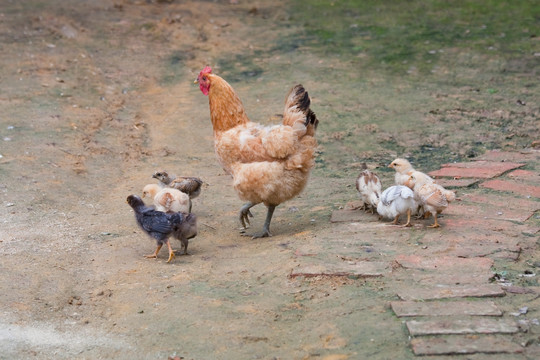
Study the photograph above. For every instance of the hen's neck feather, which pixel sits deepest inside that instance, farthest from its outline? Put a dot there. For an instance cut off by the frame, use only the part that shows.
(226, 108)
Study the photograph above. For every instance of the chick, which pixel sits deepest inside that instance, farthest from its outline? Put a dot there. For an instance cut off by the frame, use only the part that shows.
(395, 201)
(369, 186)
(186, 230)
(157, 224)
(167, 199)
(186, 184)
(403, 169)
(433, 197)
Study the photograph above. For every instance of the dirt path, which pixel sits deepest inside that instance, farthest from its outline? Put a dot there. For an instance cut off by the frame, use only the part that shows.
(99, 95)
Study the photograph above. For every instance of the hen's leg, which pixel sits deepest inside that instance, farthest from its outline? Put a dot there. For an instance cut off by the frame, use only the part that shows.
(154, 255)
(245, 214)
(266, 226)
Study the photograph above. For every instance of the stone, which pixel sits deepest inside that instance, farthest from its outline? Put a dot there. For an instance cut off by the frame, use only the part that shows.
(450, 291)
(471, 344)
(446, 308)
(453, 326)
(498, 155)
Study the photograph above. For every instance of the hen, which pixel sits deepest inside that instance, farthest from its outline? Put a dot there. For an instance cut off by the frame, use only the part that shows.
(433, 197)
(167, 199)
(157, 224)
(395, 201)
(269, 164)
(369, 186)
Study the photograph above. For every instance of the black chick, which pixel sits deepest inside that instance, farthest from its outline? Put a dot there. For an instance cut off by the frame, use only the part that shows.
(157, 224)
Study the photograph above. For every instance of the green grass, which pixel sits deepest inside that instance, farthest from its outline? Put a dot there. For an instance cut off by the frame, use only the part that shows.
(395, 34)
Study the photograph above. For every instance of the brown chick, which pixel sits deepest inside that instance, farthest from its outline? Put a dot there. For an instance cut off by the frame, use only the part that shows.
(433, 197)
(167, 199)
(369, 188)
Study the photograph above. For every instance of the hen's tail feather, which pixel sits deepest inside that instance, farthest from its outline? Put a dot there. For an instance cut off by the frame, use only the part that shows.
(298, 98)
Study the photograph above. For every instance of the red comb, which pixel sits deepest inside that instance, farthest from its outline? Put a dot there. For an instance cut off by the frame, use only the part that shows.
(206, 70)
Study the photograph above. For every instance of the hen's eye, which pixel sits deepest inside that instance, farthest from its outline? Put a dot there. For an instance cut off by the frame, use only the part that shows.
(204, 78)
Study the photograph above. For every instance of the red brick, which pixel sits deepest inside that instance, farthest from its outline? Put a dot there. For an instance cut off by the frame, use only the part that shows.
(524, 174)
(511, 186)
(470, 344)
(475, 169)
(456, 183)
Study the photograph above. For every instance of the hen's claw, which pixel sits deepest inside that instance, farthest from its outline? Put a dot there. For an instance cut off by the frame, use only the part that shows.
(245, 214)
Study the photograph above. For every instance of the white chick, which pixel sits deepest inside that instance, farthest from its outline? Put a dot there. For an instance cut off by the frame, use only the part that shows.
(433, 197)
(369, 187)
(167, 199)
(395, 201)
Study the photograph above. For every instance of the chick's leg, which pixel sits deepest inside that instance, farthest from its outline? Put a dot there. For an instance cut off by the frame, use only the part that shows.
(266, 226)
(396, 220)
(245, 214)
(435, 224)
(408, 224)
(154, 255)
(171, 252)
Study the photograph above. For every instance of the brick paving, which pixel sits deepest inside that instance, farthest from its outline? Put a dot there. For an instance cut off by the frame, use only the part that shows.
(444, 282)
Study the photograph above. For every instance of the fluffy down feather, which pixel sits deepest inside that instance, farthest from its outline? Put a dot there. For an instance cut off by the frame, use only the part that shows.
(396, 201)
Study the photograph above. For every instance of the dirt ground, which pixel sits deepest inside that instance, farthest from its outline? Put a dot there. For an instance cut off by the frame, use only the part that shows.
(97, 95)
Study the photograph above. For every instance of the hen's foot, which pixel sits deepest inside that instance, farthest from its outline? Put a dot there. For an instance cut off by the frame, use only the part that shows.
(245, 214)
(171, 252)
(151, 256)
(263, 234)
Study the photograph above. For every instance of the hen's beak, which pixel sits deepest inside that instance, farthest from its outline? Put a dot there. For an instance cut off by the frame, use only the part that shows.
(196, 81)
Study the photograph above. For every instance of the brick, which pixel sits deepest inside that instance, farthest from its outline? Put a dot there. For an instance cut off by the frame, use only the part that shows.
(475, 169)
(456, 183)
(512, 186)
(453, 326)
(446, 308)
(457, 265)
(355, 270)
(460, 345)
(450, 291)
(524, 174)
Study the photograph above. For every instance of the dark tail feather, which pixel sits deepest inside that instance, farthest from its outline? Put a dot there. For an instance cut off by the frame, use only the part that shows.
(299, 97)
